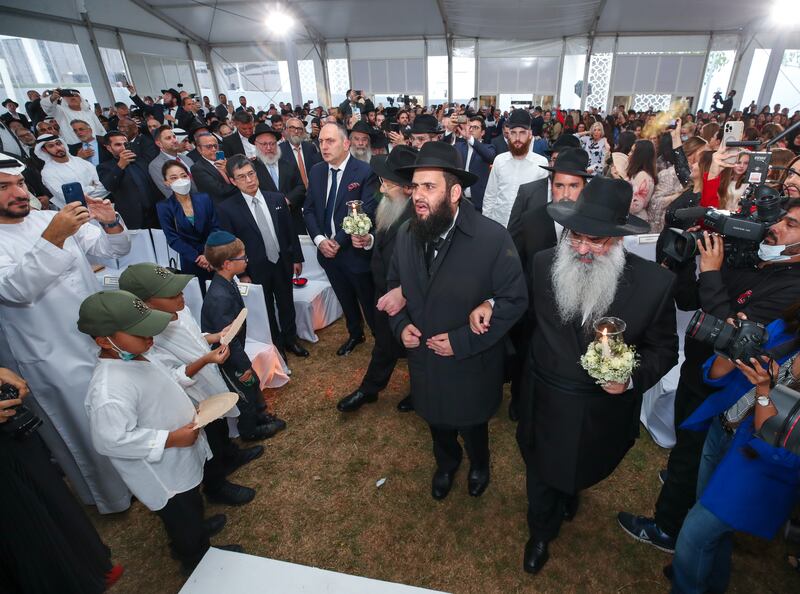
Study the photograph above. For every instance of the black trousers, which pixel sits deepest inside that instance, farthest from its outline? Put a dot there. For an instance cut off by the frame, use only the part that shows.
(385, 353)
(448, 453)
(276, 280)
(356, 293)
(679, 492)
(545, 503)
(183, 521)
(224, 451)
(249, 406)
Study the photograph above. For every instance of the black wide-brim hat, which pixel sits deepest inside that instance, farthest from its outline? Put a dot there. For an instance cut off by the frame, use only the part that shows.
(425, 124)
(441, 155)
(386, 166)
(364, 128)
(601, 210)
(571, 161)
(7, 101)
(564, 141)
(263, 128)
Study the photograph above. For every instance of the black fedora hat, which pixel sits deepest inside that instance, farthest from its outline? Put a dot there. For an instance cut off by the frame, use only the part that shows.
(573, 161)
(441, 155)
(425, 124)
(262, 128)
(386, 166)
(601, 210)
(564, 141)
(364, 128)
(7, 101)
(519, 118)
(172, 92)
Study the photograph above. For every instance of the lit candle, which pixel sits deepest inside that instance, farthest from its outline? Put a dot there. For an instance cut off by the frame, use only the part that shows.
(604, 343)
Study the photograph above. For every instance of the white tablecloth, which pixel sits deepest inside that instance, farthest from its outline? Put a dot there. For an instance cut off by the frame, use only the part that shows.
(316, 306)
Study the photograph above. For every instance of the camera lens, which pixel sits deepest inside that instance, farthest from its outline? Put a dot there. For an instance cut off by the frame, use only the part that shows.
(681, 245)
(768, 205)
(710, 330)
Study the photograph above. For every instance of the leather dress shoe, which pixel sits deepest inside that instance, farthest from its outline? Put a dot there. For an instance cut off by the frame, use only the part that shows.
(536, 555)
(231, 494)
(214, 524)
(352, 402)
(296, 349)
(406, 404)
(441, 484)
(244, 456)
(349, 345)
(477, 481)
(571, 503)
(271, 423)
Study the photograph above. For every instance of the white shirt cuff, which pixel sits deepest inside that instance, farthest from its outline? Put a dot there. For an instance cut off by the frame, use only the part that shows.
(319, 239)
(471, 140)
(371, 242)
(158, 445)
(490, 302)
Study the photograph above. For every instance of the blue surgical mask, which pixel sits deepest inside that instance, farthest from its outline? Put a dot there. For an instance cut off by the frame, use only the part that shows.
(774, 253)
(124, 355)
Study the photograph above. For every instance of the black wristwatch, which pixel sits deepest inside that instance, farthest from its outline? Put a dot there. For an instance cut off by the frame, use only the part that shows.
(117, 222)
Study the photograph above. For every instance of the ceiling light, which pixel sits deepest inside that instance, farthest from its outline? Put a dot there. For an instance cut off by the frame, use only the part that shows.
(280, 22)
(782, 11)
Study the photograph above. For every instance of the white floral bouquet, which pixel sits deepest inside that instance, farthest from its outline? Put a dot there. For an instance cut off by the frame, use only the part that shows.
(609, 361)
(356, 222)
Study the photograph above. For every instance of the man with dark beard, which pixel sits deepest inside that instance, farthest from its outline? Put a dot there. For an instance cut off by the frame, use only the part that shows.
(394, 209)
(573, 432)
(448, 260)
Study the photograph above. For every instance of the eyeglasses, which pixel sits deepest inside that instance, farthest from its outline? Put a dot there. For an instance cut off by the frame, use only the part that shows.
(214, 146)
(593, 245)
(266, 144)
(239, 259)
(295, 128)
(245, 176)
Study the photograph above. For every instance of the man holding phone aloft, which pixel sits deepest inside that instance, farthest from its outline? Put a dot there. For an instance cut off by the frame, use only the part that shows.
(62, 168)
(355, 104)
(44, 277)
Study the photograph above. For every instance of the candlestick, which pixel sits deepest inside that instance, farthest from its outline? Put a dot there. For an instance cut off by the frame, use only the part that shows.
(604, 343)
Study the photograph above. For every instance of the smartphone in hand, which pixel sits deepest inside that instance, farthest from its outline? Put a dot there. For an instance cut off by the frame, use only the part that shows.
(220, 156)
(73, 192)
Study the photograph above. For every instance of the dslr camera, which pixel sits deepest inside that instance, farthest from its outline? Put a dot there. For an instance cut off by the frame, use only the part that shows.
(24, 422)
(743, 230)
(743, 340)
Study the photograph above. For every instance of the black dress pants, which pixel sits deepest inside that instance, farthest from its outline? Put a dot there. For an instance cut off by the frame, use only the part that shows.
(385, 353)
(448, 453)
(249, 406)
(545, 503)
(277, 284)
(356, 293)
(224, 451)
(183, 521)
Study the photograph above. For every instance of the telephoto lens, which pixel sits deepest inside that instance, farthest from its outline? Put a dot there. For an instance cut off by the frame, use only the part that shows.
(681, 245)
(24, 422)
(741, 341)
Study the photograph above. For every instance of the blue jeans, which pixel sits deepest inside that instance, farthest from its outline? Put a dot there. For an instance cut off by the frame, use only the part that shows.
(702, 561)
(714, 449)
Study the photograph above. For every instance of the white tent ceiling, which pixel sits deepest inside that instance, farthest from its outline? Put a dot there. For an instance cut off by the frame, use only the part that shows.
(230, 22)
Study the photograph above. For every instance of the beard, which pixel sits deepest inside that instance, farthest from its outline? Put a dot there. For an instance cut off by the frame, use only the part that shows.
(362, 154)
(518, 151)
(269, 159)
(295, 139)
(389, 210)
(585, 291)
(438, 221)
(7, 213)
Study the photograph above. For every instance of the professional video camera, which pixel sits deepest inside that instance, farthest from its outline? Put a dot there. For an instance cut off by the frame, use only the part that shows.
(24, 422)
(741, 341)
(743, 230)
(783, 429)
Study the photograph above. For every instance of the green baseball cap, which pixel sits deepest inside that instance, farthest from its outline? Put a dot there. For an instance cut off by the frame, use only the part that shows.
(148, 280)
(107, 312)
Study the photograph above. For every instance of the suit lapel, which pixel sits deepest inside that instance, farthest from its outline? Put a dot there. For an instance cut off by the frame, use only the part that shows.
(347, 175)
(246, 214)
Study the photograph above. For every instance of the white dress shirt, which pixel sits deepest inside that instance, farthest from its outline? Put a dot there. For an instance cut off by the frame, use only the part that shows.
(505, 179)
(75, 169)
(132, 407)
(263, 203)
(64, 115)
(95, 158)
(249, 149)
(320, 238)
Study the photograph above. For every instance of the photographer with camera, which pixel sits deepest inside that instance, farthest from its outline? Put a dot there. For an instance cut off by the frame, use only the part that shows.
(762, 292)
(355, 104)
(47, 544)
(66, 105)
(745, 483)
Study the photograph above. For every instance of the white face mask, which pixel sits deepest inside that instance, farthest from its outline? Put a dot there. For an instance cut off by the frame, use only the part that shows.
(774, 253)
(181, 186)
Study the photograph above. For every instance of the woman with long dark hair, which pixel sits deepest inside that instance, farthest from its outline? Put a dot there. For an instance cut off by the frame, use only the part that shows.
(641, 174)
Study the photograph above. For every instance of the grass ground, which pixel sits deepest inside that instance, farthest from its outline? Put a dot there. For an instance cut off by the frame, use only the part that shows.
(317, 504)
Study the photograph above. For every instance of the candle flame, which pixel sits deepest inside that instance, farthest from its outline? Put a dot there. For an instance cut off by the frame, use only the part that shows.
(604, 332)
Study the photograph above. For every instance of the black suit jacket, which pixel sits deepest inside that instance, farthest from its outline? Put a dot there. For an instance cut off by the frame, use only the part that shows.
(232, 145)
(483, 155)
(21, 118)
(500, 144)
(234, 215)
(103, 153)
(210, 181)
(35, 111)
(530, 226)
(383, 249)
(578, 432)
(135, 201)
(290, 185)
(347, 110)
(157, 110)
(311, 154)
(477, 262)
(145, 147)
(221, 111)
(221, 305)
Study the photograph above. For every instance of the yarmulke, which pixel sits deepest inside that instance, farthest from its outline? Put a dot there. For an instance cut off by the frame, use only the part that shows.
(218, 238)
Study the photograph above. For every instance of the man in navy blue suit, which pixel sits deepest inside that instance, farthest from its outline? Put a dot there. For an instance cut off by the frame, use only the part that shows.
(261, 220)
(331, 185)
(476, 155)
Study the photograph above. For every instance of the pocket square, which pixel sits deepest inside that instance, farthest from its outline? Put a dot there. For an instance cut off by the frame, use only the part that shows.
(353, 186)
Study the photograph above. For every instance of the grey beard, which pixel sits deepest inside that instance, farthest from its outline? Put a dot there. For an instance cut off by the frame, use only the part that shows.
(295, 140)
(389, 211)
(585, 291)
(269, 159)
(361, 154)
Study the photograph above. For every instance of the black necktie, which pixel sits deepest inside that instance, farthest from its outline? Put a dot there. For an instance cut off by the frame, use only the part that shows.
(430, 251)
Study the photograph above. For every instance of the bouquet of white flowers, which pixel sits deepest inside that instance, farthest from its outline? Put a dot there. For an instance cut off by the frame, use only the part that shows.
(608, 358)
(357, 222)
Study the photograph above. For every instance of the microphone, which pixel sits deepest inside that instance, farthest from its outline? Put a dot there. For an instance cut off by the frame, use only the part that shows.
(690, 214)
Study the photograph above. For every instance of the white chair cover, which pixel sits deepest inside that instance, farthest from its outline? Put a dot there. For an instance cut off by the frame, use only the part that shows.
(267, 363)
(162, 249)
(193, 299)
(316, 306)
(142, 249)
(311, 268)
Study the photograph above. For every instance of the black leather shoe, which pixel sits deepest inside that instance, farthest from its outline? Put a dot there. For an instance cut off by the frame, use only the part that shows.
(571, 503)
(352, 402)
(513, 413)
(271, 423)
(244, 456)
(441, 484)
(477, 481)
(406, 404)
(296, 349)
(536, 555)
(348, 346)
(214, 524)
(230, 494)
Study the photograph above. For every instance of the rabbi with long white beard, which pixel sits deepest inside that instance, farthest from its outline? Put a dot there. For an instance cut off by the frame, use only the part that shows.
(573, 432)
(361, 141)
